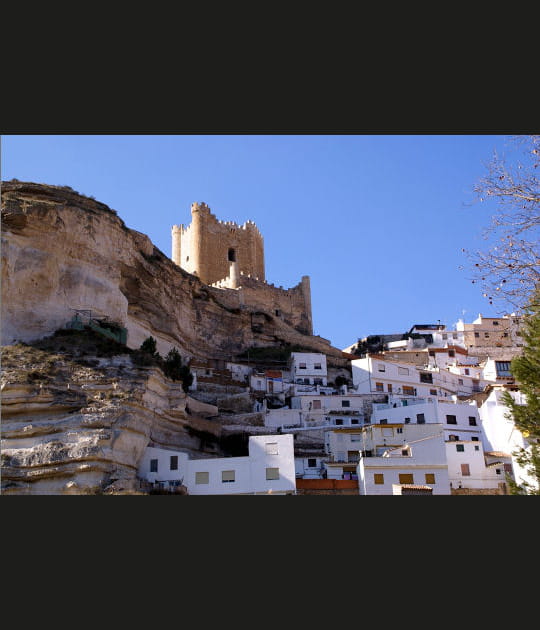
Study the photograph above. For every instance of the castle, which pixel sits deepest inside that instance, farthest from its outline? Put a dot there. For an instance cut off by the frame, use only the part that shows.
(230, 257)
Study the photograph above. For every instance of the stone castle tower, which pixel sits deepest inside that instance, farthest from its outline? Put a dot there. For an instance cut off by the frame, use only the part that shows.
(208, 247)
(227, 256)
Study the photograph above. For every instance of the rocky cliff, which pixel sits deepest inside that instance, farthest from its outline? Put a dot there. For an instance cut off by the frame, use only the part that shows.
(80, 425)
(63, 251)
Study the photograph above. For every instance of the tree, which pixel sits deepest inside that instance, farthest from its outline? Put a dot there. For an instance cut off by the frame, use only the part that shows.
(509, 270)
(174, 368)
(526, 370)
(147, 353)
(148, 346)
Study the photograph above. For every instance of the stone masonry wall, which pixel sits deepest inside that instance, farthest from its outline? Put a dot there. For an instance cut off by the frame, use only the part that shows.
(202, 248)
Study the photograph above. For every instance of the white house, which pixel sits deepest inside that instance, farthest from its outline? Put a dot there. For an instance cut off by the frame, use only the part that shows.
(269, 468)
(399, 458)
(460, 420)
(308, 368)
(499, 433)
(375, 373)
(343, 447)
(309, 467)
(468, 466)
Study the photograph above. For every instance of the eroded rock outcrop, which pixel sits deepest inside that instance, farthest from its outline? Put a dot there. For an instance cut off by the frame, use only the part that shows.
(63, 251)
(81, 426)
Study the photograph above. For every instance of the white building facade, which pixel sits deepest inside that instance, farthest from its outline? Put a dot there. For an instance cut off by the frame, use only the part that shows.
(269, 468)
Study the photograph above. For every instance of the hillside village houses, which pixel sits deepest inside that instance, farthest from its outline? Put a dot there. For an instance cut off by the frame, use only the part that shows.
(421, 415)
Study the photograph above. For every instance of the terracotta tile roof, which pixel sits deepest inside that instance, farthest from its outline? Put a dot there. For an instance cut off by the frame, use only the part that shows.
(497, 454)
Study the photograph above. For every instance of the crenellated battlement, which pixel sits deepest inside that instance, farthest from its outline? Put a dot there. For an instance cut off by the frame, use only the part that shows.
(226, 255)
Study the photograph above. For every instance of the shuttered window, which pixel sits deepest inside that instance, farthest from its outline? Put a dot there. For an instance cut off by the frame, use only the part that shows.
(202, 477)
(378, 478)
(227, 476)
(430, 478)
(272, 473)
(406, 478)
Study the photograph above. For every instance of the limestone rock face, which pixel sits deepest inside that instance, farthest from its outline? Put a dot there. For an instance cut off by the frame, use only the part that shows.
(63, 251)
(76, 429)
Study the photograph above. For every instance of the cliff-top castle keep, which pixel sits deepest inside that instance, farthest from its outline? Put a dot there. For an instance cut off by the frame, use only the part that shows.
(228, 256)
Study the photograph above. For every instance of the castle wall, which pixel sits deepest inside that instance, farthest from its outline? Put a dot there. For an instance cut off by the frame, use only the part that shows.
(203, 247)
(293, 306)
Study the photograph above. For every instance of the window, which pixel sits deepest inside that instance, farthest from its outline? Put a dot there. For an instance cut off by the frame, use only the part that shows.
(379, 387)
(153, 465)
(317, 366)
(476, 448)
(498, 471)
(472, 421)
(381, 367)
(316, 404)
(317, 381)
(474, 439)
(232, 255)
(271, 448)
(454, 335)
(389, 388)
(426, 377)
(430, 478)
(486, 334)
(399, 430)
(202, 477)
(453, 438)
(174, 462)
(301, 366)
(460, 448)
(451, 353)
(272, 473)
(405, 452)
(227, 476)
(451, 419)
(312, 462)
(402, 370)
(378, 478)
(460, 381)
(345, 403)
(431, 353)
(384, 421)
(433, 392)
(495, 323)
(503, 368)
(465, 471)
(420, 418)
(505, 334)
(406, 478)
(407, 420)
(477, 334)
(444, 336)
(467, 371)
(339, 421)
(354, 421)
(409, 391)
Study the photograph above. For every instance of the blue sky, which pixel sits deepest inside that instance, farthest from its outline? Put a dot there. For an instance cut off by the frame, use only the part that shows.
(378, 222)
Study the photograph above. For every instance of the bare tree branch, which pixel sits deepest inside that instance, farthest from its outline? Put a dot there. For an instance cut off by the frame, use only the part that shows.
(509, 270)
